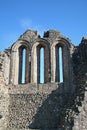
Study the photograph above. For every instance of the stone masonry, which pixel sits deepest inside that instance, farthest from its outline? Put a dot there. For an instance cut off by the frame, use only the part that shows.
(53, 104)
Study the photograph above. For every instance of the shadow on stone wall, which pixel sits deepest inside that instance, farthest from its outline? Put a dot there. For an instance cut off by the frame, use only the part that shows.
(57, 111)
(54, 112)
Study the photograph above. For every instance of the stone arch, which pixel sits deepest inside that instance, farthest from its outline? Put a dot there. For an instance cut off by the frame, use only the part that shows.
(66, 60)
(35, 75)
(15, 61)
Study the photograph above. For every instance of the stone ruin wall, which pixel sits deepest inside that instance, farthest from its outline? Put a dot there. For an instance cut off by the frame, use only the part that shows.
(4, 96)
(45, 106)
(80, 79)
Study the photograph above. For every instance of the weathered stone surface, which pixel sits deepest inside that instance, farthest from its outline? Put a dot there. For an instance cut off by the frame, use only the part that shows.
(4, 96)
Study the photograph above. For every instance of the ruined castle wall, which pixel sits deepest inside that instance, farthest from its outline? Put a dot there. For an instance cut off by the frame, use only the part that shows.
(52, 105)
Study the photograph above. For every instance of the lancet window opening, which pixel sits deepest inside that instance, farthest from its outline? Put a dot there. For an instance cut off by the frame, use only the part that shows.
(22, 65)
(59, 63)
(42, 65)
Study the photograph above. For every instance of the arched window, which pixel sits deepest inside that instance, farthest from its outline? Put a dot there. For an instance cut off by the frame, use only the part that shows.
(22, 65)
(41, 65)
(59, 64)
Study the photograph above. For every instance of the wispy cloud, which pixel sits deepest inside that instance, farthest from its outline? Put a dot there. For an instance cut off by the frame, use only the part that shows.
(27, 23)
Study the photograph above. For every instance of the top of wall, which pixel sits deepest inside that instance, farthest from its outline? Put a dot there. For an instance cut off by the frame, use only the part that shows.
(49, 37)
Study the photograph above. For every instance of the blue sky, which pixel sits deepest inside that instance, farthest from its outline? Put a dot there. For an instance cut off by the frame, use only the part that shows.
(67, 16)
